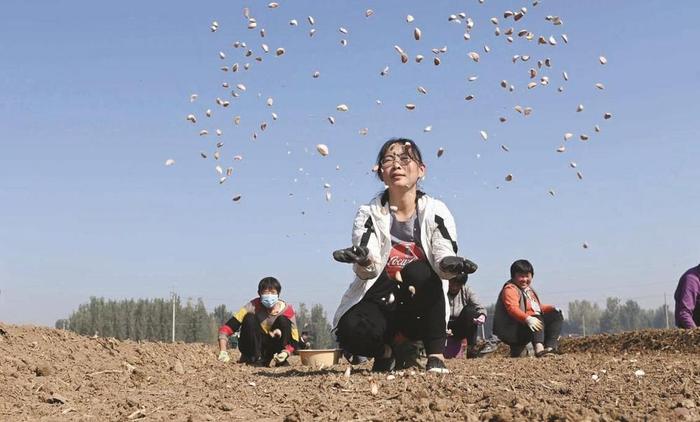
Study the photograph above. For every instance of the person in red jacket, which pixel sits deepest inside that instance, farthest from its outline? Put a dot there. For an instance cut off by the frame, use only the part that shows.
(268, 329)
(520, 317)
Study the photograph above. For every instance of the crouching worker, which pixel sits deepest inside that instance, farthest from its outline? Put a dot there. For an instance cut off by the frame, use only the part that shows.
(521, 318)
(268, 329)
(466, 314)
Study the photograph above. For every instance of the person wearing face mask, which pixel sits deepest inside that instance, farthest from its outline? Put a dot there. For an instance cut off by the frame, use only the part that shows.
(404, 249)
(520, 317)
(268, 329)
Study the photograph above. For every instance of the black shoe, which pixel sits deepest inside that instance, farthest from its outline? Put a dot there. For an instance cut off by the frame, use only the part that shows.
(472, 352)
(256, 361)
(284, 363)
(383, 364)
(436, 365)
(246, 359)
(546, 352)
(407, 355)
(358, 360)
(262, 363)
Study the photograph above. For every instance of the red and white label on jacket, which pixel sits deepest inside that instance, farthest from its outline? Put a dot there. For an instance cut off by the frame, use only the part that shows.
(401, 255)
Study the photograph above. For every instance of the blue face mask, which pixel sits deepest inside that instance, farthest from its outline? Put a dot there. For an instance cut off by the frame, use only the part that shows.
(269, 300)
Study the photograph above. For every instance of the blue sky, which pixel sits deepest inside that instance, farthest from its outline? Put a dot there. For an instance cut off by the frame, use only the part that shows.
(94, 100)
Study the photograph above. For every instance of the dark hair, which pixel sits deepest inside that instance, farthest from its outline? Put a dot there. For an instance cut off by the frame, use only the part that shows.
(521, 266)
(411, 149)
(269, 283)
(462, 278)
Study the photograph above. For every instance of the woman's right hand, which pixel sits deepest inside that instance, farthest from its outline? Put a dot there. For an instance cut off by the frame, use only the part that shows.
(457, 265)
(352, 255)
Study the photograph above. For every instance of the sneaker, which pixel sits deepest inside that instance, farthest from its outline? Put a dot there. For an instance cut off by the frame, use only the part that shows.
(407, 355)
(358, 360)
(489, 347)
(436, 365)
(383, 364)
(246, 359)
(282, 364)
(546, 352)
(260, 362)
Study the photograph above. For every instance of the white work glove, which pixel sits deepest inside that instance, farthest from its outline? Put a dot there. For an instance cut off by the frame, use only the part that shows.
(480, 320)
(534, 324)
(281, 356)
(224, 357)
(276, 333)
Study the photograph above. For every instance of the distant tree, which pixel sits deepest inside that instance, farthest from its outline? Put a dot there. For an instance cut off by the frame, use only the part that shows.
(203, 323)
(316, 324)
(61, 324)
(303, 318)
(632, 317)
(610, 321)
(660, 316)
(221, 315)
(321, 328)
(581, 312)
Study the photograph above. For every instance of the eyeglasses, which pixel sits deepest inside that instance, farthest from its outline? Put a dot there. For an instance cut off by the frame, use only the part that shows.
(389, 160)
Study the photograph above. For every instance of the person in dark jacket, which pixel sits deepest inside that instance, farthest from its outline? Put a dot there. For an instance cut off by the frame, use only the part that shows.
(688, 299)
(267, 328)
(520, 317)
(466, 315)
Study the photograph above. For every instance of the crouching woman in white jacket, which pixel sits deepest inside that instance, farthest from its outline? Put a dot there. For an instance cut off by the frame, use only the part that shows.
(403, 253)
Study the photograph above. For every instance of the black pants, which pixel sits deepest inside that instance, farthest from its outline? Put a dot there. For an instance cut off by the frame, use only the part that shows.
(375, 320)
(255, 343)
(549, 336)
(464, 327)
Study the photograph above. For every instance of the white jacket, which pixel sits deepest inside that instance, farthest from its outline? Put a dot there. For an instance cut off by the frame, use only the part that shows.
(433, 218)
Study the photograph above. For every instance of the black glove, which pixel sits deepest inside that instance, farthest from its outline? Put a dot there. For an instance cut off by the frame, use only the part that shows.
(352, 255)
(457, 265)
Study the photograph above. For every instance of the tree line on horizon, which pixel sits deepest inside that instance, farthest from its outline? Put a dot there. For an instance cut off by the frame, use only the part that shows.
(586, 318)
(151, 319)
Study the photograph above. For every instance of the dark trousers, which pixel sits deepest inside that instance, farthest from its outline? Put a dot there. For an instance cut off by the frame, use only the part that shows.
(376, 320)
(549, 336)
(254, 342)
(464, 327)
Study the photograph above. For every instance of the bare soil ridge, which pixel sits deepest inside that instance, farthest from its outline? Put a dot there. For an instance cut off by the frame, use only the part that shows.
(48, 374)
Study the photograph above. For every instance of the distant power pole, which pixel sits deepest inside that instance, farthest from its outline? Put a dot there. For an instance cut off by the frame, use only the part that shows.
(583, 323)
(172, 298)
(666, 311)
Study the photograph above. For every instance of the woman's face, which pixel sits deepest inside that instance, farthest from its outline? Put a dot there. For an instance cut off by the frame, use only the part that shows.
(399, 168)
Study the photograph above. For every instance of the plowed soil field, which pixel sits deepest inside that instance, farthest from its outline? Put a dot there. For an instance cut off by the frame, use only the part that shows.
(55, 375)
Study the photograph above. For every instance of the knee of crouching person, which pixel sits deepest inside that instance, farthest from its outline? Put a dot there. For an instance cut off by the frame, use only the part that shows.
(249, 318)
(283, 322)
(557, 315)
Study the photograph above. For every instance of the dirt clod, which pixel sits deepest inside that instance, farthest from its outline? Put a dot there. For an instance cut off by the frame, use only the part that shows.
(43, 370)
(56, 398)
